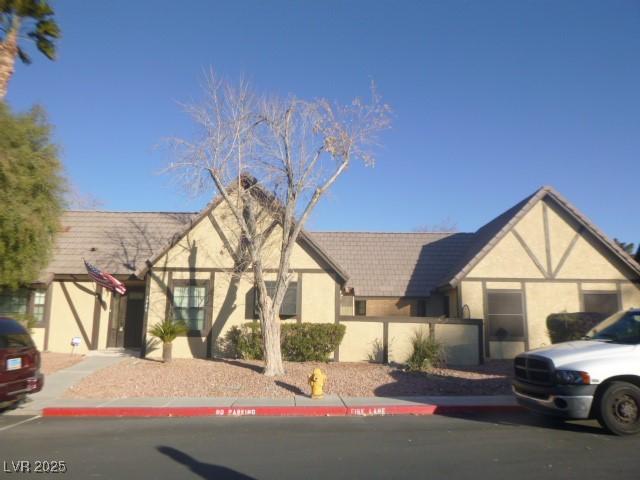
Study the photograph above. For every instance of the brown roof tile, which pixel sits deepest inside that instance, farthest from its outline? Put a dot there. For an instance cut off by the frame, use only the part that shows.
(118, 242)
(394, 264)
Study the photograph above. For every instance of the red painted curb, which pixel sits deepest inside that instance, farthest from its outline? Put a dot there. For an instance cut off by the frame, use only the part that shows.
(301, 411)
(128, 411)
(365, 411)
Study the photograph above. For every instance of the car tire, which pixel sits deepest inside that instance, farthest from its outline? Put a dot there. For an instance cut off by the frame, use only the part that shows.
(618, 408)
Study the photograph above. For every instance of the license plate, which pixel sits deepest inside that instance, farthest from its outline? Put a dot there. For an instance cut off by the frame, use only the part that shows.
(14, 363)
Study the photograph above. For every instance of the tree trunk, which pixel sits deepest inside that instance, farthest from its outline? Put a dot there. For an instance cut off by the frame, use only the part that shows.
(271, 337)
(166, 352)
(8, 53)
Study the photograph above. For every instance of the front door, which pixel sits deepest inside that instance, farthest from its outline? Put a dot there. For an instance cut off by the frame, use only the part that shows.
(133, 319)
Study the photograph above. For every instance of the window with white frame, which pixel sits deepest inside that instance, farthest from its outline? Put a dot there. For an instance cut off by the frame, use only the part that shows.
(39, 297)
(190, 304)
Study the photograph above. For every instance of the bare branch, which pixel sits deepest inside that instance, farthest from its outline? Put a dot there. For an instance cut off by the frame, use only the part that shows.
(271, 160)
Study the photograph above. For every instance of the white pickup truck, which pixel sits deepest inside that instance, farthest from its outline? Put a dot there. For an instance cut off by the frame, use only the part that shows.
(597, 377)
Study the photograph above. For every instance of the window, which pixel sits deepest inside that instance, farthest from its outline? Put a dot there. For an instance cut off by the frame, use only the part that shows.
(190, 303)
(505, 316)
(421, 308)
(289, 307)
(39, 297)
(22, 302)
(346, 305)
(14, 302)
(605, 303)
(445, 306)
(361, 307)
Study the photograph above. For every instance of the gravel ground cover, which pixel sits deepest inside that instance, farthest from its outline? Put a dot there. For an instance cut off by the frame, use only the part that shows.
(230, 378)
(52, 362)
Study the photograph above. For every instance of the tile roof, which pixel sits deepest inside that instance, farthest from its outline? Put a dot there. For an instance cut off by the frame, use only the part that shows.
(394, 264)
(118, 242)
(377, 264)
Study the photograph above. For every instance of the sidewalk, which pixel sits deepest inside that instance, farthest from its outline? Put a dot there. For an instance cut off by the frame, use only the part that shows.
(331, 405)
(57, 383)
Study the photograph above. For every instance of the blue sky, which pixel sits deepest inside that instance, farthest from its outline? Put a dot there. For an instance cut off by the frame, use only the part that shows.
(491, 99)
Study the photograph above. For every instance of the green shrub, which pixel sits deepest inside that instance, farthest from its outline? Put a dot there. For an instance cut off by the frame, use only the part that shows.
(300, 342)
(427, 352)
(310, 342)
(564, 327)
(246, 341)
(168, 330)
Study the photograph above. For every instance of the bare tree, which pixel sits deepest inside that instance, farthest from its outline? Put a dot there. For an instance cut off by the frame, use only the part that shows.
(78, 200)
(271, 160)
(446, 225)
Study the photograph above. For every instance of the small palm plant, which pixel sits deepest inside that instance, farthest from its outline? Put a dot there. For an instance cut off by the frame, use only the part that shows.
(166, 332)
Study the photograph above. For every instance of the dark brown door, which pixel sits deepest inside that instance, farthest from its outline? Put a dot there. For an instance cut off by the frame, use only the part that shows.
(133, 319)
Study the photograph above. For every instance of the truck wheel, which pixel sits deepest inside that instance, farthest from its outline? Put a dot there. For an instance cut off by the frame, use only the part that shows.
(619, 408)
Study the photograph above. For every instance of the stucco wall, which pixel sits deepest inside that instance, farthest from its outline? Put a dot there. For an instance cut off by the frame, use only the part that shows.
(587, 262)
(362, 342)
(62, 322)
(460, 343)
(630, 294)
(105, 313)
(508, 259)
(471, 296)
(318, 298)
(37, 334)
(400, 335)
(544, 299)
(562, 229)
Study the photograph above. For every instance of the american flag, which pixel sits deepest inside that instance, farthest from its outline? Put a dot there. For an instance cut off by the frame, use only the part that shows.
(104, 279)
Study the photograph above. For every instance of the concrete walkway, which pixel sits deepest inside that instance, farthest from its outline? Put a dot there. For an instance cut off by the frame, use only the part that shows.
(57, 383)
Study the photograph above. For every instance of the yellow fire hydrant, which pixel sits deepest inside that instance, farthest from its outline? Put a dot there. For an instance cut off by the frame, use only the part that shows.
(316, 381)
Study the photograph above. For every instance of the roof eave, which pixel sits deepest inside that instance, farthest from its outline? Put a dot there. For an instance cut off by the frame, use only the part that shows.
(344, 276)
(595, 231)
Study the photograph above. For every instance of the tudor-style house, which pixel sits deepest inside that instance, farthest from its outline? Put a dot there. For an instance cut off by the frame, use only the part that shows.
(541, 256)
